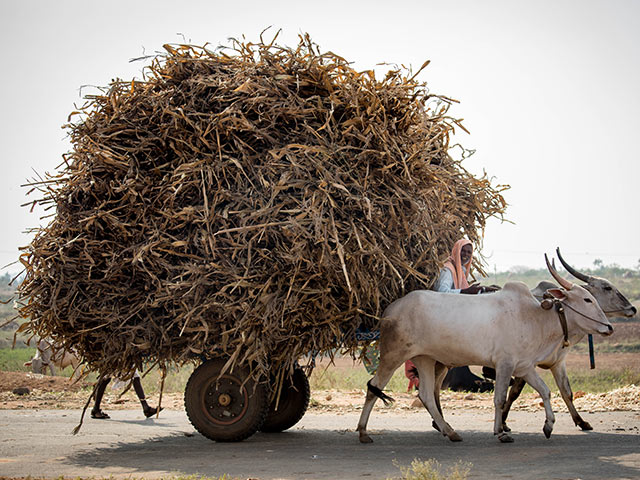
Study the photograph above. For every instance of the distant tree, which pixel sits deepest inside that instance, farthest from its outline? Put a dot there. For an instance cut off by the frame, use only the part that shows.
(598, 263)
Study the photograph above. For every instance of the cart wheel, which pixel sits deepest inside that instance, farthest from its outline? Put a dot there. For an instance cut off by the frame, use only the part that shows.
(223, 409)
(293, 403)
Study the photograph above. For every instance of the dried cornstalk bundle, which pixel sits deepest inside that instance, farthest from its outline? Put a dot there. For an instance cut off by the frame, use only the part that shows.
(258, 202)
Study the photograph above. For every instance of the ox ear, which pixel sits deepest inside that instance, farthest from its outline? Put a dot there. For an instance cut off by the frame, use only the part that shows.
(558, 293)
(27, 364)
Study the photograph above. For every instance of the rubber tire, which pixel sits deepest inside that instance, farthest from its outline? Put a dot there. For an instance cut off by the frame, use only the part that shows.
(202, 387)
(293, 403)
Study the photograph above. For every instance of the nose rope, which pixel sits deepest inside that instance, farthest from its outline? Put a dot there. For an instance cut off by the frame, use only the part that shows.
(585, 316)
(615, 311)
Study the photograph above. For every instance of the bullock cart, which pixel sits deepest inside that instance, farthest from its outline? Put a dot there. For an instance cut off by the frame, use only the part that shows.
(231, 405)
(243, 209)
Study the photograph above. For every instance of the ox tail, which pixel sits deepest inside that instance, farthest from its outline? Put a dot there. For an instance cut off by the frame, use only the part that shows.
(380, 394)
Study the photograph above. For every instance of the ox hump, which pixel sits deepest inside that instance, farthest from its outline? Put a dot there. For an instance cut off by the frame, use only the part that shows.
(517, 288)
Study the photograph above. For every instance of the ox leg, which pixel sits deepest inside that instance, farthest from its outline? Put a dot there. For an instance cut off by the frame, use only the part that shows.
(380, 379)
(559, 372)
(427, 393)
(503, 377)
(514, 392)
(440, 372)
(538, 384)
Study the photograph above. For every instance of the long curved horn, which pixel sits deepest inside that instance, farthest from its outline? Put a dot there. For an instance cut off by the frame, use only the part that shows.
(566, 284)
(572, 271)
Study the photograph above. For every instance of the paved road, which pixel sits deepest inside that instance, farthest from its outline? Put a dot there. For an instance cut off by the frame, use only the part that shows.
(321, 446)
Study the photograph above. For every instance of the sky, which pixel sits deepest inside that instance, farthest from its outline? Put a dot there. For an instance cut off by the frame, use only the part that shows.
(547, 89)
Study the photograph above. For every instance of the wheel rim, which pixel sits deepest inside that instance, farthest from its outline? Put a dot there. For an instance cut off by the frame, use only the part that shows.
(225, 400)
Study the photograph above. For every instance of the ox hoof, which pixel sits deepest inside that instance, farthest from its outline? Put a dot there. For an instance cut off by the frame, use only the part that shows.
(364, 438)
(505, 428)
(454, 437)
(504, 437)
(585, 425)
(547, 429)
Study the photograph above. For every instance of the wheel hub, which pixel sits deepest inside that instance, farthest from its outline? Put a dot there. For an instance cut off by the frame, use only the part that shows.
(225, 400)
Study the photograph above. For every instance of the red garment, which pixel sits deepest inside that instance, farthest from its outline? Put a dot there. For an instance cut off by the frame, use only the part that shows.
(410, 372)
(453, 263)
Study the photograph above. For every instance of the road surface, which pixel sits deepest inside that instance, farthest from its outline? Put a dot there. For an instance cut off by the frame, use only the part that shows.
(321, 446)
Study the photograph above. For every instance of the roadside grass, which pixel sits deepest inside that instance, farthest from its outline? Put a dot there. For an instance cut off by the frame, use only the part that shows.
(432, 470)
(351, 378)
(592, 381)
(175, 381)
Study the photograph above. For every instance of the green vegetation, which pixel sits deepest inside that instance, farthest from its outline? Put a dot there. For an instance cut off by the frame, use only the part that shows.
(610, 347)
(432, 470)
(593, 381)
(13, 359)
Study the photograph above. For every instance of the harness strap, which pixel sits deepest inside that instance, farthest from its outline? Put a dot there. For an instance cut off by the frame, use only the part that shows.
(563, 322)
(549, 300)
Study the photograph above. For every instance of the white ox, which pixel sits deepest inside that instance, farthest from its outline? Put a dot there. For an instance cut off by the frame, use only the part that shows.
(507, 330)
(47, 356)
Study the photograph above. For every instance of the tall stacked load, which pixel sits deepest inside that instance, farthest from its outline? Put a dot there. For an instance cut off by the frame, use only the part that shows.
(258, 203)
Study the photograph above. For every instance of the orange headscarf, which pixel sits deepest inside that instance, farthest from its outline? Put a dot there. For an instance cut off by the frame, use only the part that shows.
(454, 263)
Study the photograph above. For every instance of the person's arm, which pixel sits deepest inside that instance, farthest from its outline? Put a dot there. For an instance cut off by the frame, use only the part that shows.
(445, 282)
